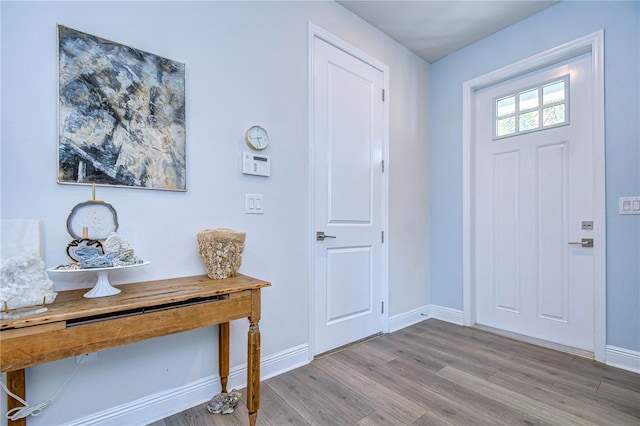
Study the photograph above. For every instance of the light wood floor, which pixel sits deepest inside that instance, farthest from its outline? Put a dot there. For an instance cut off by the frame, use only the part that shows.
(435, 373)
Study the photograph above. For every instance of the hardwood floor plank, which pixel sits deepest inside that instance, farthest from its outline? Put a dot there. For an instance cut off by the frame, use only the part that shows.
(275, 410)
(435, 373)
(199, 416)
(313, 407)
(620, 394)
(485, 355)
(605, 373)
(403, 380)
(453, 357)
(380, 395)
(542, 360)
(533, 354)
(600, 400)
(460, 404)
(431, 419)
(460, 334)
(592, 412)
(344, 397)
(380, 418)
(546, 413)
(401, 350)
(543, 374)
(372, 353)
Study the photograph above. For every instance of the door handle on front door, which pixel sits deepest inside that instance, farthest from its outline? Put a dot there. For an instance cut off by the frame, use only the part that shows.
(320, 236)
(586, 242)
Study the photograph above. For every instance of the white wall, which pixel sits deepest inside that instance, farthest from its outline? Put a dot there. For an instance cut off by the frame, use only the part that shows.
(246, 64)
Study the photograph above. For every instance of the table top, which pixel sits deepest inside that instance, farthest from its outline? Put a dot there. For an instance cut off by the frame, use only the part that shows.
(71, 304)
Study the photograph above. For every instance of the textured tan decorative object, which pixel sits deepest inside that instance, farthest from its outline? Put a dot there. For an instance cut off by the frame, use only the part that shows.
(221, 251)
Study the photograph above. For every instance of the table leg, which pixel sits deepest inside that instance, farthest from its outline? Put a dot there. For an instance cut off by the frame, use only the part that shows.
(253, 373)
(15, 383)
(223, 354)
(253, 359)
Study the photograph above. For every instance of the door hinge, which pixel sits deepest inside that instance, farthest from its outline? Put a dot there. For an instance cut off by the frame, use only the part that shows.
(382, 95)
(382, 237)
(382, 307)
(382, 166)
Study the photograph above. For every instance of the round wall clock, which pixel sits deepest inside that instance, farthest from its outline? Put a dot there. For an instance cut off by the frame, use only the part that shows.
(257, 138)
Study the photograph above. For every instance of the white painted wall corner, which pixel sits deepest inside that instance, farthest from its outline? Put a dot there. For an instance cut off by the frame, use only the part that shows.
(406, 319)
(454, 316)
(400, 321)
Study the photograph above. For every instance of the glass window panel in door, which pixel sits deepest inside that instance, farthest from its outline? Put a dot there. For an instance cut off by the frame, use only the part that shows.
(528, 99)
(553, 92)
(529, 121)
(506, 106)
(506, 126)
(553, 115)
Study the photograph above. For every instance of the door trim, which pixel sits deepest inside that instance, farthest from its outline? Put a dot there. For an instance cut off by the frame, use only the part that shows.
(314, 32)
(593, 43)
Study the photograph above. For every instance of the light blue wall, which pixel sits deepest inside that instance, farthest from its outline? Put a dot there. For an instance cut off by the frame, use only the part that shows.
(559, 24)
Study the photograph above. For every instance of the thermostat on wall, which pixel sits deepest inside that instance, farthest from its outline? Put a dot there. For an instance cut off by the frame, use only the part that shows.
(256, 164)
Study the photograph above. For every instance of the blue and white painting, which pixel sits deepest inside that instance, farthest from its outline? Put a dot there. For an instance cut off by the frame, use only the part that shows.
(121, 115)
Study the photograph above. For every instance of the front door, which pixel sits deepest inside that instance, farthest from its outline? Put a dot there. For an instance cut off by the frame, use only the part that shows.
(534, 206)
(348, 126)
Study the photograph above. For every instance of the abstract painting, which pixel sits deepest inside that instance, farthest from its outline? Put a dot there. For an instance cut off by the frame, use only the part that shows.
(121, 115)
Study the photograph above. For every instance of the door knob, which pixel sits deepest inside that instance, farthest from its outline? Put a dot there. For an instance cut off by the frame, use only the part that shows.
(320, 236)
(586, 242)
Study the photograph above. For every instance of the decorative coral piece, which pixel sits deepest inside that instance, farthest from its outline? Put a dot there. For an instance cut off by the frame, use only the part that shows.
(221, 251)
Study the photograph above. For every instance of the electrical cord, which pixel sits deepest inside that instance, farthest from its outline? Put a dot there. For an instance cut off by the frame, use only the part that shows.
(34, 410)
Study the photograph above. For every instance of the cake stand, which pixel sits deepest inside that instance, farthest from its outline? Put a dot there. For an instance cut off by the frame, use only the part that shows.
(102, 286)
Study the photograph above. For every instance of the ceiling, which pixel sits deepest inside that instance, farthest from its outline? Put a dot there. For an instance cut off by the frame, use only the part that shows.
(434, 29)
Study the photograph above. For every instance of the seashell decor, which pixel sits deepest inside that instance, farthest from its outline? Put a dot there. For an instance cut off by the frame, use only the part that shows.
(221, 251)
(224, 403)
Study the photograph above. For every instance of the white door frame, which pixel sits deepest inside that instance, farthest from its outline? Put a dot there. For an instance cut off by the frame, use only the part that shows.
(593, 43)
(317, 32)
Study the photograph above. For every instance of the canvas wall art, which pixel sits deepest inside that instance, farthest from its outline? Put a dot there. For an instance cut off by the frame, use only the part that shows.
(121, 115)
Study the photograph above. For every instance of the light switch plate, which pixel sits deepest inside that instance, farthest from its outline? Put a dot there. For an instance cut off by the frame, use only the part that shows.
(629, 205)
(253, 204)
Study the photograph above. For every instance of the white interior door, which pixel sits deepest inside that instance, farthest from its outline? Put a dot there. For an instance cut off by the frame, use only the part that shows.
(534, 200)
(348, 125)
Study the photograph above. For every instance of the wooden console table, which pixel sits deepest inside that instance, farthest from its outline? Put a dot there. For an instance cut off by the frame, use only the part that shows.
(74, 325)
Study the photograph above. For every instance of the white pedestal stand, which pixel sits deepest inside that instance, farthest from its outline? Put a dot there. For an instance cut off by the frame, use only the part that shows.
(102, 286)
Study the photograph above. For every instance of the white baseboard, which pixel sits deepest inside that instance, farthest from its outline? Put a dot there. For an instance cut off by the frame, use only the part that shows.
(454, 316)
(166, 403)
(398, 322)
(623, 358)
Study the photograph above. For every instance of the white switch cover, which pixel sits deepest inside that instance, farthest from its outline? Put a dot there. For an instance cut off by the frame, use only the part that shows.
(253, 204)
(629, 205)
